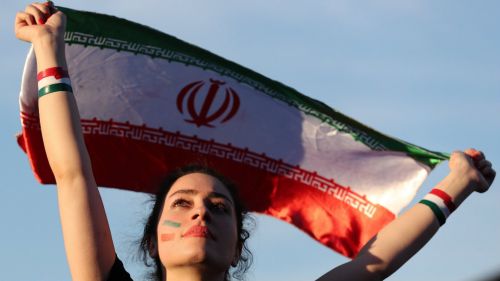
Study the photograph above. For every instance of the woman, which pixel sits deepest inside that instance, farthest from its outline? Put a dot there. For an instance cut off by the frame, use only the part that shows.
(194, 232)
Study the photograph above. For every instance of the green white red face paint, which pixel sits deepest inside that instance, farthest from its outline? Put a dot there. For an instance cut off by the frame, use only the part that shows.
(169, 236)
(171, 223)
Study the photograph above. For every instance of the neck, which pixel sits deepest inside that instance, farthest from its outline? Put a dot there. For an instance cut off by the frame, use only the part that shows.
(192, 273)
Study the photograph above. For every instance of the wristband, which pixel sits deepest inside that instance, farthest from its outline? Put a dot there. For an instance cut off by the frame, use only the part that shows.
(440, 203)
(446, 199)
(54, 79)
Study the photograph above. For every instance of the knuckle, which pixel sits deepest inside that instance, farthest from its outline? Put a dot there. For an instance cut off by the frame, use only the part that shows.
(31, 10)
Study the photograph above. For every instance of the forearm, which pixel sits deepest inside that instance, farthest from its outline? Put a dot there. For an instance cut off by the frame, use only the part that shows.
(405, 236)
(59, 119)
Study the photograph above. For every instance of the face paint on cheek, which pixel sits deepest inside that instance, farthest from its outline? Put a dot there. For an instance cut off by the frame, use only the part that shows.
(171, 223)
(166, 237)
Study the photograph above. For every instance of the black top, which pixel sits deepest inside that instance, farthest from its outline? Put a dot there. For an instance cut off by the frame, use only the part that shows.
(118, 272)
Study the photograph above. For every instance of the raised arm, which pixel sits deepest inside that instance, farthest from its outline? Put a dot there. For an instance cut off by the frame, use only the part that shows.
(87, 238)
(402, 238)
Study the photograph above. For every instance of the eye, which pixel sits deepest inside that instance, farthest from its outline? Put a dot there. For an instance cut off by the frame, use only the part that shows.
(219, 207)
(181, 202)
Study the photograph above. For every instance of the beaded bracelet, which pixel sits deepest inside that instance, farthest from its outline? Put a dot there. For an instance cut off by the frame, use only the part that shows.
(440, 203)
(52, 80)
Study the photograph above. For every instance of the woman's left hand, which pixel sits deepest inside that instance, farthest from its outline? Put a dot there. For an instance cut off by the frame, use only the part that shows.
(473, 164)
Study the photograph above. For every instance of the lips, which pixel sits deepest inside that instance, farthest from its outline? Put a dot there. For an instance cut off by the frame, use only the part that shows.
(198, 231)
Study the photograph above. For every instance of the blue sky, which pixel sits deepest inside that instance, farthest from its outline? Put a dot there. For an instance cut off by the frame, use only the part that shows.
(427, 72)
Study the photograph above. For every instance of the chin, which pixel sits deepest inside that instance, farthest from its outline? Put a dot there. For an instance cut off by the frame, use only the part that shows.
(197, 253)
(206, 257)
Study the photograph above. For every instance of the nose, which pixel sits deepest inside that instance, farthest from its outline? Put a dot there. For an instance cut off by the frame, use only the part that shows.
(201, 213)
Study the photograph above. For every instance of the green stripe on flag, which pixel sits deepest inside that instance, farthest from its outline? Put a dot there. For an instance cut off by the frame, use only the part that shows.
(92, 29)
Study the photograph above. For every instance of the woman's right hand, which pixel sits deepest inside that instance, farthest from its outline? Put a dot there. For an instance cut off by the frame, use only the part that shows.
(40, 21)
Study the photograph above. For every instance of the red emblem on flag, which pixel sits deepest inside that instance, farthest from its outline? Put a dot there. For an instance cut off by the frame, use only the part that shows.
(205, 115)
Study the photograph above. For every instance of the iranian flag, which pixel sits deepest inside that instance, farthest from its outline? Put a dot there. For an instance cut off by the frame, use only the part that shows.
(150, 103)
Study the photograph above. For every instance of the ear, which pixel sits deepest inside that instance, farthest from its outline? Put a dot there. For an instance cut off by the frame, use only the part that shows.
(153, 248)
(237, 254)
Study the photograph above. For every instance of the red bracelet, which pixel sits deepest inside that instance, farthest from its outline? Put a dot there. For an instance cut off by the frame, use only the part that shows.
(58, 72)
(446, 198)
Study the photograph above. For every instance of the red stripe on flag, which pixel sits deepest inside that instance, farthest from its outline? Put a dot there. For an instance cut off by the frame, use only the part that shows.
(334, 215)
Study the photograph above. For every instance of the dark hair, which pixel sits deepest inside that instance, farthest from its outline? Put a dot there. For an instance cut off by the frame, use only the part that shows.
(149, 237)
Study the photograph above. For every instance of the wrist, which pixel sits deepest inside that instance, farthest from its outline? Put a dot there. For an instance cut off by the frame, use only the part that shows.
(448, 195)
(49, 52)
(47, 39)
(458, 185)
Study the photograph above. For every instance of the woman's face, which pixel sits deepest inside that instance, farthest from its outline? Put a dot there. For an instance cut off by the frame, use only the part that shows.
(198, 224)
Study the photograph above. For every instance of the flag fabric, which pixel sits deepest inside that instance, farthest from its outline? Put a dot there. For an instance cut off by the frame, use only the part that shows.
(150, 103)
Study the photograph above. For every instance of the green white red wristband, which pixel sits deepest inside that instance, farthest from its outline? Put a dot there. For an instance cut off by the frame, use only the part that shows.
(440, 203)
(52, 80)
(446, 199)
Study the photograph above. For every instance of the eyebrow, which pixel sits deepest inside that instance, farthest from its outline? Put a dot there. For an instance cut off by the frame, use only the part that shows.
(212, 194)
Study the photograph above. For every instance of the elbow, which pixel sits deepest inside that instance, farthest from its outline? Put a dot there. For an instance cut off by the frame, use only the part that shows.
(374, 267)
(378, 272)
(68, 163)
(381, 270)
(66, 173)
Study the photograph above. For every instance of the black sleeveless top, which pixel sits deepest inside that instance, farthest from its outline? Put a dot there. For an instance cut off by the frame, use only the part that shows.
(118, 272)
